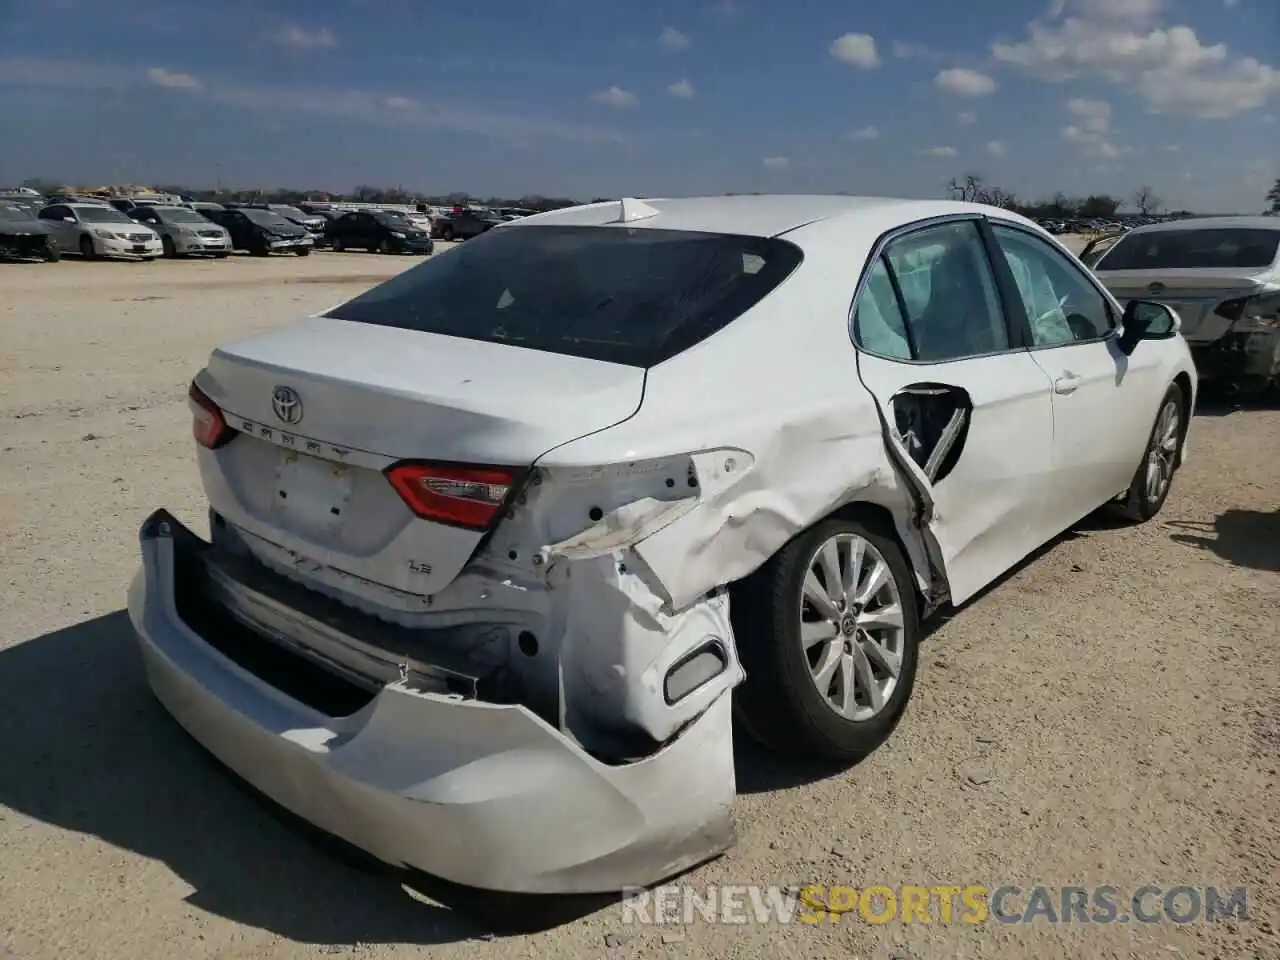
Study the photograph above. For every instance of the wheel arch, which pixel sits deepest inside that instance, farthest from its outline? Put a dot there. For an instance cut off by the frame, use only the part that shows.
(1183, 382)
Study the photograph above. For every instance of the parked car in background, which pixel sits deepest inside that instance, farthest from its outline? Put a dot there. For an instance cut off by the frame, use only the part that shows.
(24, 237)
(487, 591)
(100, 230)
(1222, 277)
(204, 206)
(184, 231)
(378, 231)
(465, 224)
(313, 223)
(262, 232)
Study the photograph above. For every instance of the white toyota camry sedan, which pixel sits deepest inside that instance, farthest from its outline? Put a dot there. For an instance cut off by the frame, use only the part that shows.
(502, 548)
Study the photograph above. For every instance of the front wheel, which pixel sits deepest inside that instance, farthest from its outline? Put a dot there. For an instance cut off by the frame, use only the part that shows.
(303, 251)
(52, 252)
(337, 245)
(86, 247)
(827, 632)
(1160, 460)
(170, 250)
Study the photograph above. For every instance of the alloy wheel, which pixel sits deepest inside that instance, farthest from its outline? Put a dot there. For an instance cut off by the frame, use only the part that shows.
(851, 626)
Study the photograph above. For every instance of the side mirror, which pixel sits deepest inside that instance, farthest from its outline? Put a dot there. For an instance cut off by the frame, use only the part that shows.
(1142, 319)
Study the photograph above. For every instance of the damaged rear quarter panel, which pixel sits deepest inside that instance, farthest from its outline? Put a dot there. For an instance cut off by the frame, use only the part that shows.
(780, 430)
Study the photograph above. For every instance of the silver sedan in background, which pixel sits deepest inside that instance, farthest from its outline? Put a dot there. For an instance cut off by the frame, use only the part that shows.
(184, 231)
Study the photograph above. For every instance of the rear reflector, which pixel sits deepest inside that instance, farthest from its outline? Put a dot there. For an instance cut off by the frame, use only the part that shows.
(208, 425)
(460, 496)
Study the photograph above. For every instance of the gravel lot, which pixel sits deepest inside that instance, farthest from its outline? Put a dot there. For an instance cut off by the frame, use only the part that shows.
(1118, 697)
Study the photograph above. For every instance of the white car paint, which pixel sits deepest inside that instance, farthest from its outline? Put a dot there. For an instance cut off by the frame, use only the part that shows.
(652, 491)
(111, 232)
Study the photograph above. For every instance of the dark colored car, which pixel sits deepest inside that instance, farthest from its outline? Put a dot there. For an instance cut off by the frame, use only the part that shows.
(24, 237)
(378, 231)
(262, 232)
(464, 224)
(313, 223)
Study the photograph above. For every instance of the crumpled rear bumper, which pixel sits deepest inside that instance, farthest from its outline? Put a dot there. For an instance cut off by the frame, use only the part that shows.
(480, 794)
(1239, 356)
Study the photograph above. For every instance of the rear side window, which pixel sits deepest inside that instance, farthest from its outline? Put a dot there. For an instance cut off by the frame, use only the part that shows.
(1239, 247)
(623, 295)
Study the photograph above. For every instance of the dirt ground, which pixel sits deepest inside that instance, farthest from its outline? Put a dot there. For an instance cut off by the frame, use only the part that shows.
(1108, 715)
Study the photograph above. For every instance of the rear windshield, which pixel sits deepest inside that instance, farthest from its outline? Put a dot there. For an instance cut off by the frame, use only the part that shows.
(623, 295)
(1243, 247)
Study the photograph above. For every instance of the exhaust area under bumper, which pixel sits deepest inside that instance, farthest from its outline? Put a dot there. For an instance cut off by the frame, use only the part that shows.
(482, 794)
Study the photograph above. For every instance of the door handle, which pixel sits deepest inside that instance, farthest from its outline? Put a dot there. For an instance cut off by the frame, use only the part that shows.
(1067, 383)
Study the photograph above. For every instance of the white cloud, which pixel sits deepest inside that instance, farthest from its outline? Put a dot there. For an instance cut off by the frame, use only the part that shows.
(300, 38)
(1168, 66)
(966, 117)
(79, 77)
(682, 89)
(865, 133)
(996, 149)
(174, 80)
(965, 82)
(857, 50)
(615, 97)
(915, 51)
(673, 41)
(938, 152)
(1094, 115)
(777, 163)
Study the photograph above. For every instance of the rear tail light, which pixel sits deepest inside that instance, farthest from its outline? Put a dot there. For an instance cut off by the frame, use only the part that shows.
(461, 496)
(208, 425)
(1231, 309)
(1252, 313)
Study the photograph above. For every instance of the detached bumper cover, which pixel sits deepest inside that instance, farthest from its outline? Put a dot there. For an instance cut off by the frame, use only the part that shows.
(481, 794)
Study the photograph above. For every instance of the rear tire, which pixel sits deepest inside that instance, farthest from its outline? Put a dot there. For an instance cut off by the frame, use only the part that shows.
(337, 245)
(1160, 460)
(86, 247)
(303, 251)
(446, 234)
(781, 704)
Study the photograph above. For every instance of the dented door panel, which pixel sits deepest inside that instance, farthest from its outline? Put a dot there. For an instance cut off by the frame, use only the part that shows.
(976, 436)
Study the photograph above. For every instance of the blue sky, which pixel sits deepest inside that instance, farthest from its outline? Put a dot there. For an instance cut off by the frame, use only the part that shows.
(605, 98)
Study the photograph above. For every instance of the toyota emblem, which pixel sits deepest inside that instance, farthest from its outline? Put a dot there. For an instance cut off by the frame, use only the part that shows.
(1156, 288)
(287, 404)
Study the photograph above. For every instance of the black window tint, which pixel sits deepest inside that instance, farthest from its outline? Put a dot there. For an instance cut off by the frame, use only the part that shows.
(948, 292)
(623, 295)
(1191, 249)
(1062, 306)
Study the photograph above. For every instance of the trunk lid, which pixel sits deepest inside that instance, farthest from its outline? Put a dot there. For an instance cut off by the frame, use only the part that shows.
(1193, 293)
(307, 479)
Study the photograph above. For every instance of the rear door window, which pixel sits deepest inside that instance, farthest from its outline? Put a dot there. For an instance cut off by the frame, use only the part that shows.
(623, 295)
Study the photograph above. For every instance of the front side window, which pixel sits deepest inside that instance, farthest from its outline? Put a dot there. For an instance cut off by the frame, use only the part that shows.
(945, 295)
(1061, 305)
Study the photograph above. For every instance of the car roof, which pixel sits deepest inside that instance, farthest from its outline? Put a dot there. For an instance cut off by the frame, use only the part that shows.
(1211, 223)
(759, 215)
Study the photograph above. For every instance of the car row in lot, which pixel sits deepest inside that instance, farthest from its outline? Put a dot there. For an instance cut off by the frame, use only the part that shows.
(94, 229)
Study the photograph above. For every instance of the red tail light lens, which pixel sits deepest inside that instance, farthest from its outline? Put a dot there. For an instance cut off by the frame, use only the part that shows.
(460, 496)
(208, 425)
